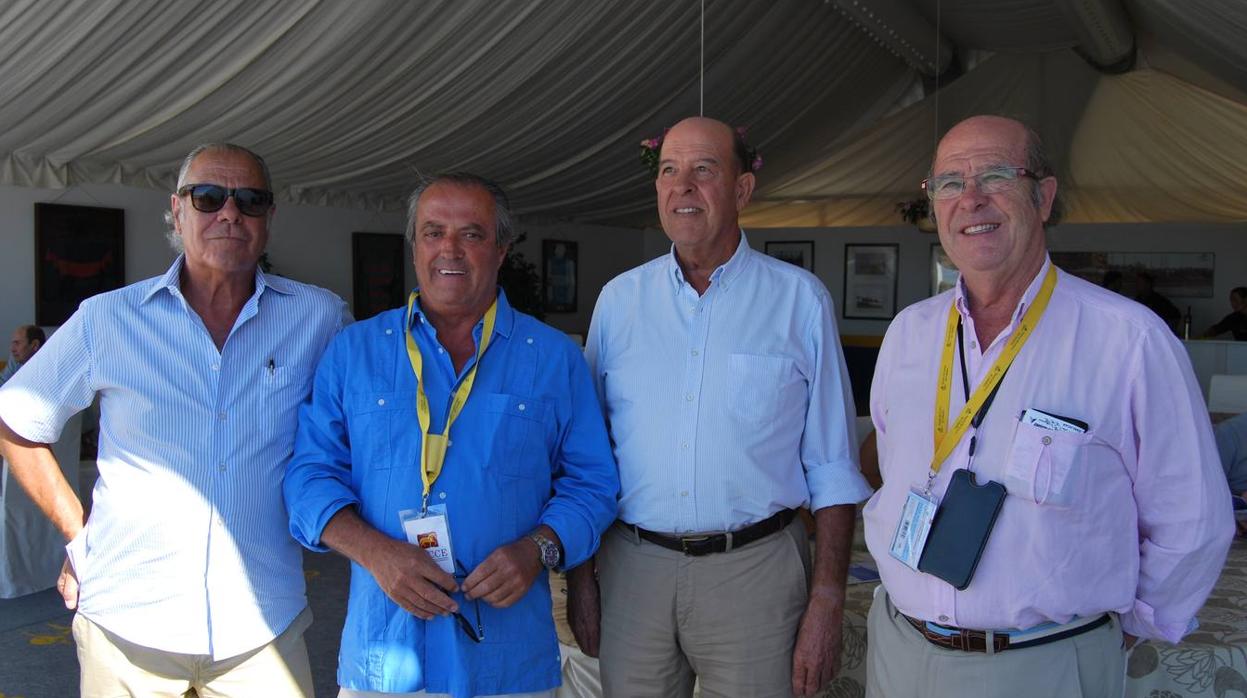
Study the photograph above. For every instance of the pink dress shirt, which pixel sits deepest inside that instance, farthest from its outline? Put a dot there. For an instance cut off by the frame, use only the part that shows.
(1132, 516)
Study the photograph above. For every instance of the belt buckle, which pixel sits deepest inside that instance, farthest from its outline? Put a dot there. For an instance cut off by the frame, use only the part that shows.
(692, 539)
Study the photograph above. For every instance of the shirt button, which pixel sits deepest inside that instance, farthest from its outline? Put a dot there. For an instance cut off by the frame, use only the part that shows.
(389, 332)
(943, 618)
(221, 416)
(684, 493)
(1046, 440)
(684, 445)
(380, 401)
(529, 340)
(441, 350)
(689, 397)
(695, 352)
(441, 495)
(221, 467)
(521, 407)
(216, 367)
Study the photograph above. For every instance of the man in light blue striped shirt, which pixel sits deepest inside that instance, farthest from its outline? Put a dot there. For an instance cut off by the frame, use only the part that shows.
(728, 405)
(185, 575)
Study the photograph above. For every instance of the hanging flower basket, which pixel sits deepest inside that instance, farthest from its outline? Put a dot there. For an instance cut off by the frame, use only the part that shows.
(917, 212)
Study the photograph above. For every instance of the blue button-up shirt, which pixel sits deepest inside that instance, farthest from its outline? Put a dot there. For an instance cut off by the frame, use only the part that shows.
(528, 448)
(727, 407)
(187, 548)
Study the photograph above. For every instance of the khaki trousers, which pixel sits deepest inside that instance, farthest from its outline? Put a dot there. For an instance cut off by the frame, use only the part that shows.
(115, 668)
(727, 619)
(900, 663)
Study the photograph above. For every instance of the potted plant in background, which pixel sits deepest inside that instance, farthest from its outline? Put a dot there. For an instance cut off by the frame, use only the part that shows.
(917, 212)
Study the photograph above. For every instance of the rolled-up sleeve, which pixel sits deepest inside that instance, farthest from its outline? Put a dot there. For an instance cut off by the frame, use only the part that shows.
(1185, 519)
(318, 476)
(829, 442)
(586, 480)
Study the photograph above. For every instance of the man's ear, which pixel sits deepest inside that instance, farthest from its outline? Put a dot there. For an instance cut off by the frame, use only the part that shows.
(745, 183)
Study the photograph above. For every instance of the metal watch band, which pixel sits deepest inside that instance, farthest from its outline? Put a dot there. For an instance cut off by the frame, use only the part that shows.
(548, 550)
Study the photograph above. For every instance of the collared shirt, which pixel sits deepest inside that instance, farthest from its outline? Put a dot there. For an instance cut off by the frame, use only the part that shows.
(1132, 516)
(528, 448)
(186, 549)
(727, 407)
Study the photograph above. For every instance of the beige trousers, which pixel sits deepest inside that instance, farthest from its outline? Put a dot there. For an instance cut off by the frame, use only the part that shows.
(900, 662)
(115, 668)
(727, 619)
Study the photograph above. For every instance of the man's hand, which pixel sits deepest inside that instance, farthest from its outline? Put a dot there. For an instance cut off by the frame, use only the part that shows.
(584, 607)
(505, 576)
(816, 658)
(67, 585)
(408, 575)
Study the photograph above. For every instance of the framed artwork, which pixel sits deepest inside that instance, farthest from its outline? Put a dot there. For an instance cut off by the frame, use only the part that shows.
(377, 261)
(1178, 274)
(558, 275)
(79, 252)
(943, 271)
(870, 281)
(800, 253)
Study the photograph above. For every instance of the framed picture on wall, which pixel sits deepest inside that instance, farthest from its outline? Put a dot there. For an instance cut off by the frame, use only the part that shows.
(79, 252)
(1176, 274)
(558, 275)
(377, 261)
(943, 271)
(800, 253)
(870, 281)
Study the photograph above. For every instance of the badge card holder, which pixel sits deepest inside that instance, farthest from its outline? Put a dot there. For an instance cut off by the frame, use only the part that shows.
(960, 530)
(432, 533)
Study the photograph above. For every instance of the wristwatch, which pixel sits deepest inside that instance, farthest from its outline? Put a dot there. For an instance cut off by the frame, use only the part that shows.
(548, 551)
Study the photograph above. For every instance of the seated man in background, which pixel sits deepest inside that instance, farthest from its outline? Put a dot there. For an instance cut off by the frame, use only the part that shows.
(1236, 322)
(454, 451)
(26, 341)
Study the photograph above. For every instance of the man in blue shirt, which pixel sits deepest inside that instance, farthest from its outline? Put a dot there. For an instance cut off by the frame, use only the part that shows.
(729, 407)
(454, 450)
(185, 577)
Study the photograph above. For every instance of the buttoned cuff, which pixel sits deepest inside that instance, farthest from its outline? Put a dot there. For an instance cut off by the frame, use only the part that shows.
(837, 482)
(1141, 622)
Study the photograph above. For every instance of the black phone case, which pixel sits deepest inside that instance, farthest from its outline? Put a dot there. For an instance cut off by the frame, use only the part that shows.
(960, 529)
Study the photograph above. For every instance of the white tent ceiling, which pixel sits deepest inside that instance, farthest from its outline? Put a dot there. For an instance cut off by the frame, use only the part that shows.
(347, 100)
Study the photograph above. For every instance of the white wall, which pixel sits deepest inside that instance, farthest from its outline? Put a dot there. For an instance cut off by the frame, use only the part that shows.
(1228, 242)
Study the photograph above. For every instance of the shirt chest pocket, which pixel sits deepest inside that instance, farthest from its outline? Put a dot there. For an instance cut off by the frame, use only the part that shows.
(1046, 467)
(521, 425)
(761, 385)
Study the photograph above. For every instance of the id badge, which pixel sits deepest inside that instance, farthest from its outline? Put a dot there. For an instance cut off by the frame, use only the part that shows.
(911, 533)
(432, 533)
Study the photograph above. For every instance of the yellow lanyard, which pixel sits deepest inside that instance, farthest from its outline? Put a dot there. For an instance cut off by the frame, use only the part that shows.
(946, 437)
(433, 446)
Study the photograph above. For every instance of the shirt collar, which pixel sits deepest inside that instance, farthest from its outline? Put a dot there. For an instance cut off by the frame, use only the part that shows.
(1032, 290)
(171, 281)
(504, 321)
(721, 276)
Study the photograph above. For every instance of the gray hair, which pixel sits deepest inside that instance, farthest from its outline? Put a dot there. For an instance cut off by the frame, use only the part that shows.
(504, 220)
(1037, 161)
(171, 233)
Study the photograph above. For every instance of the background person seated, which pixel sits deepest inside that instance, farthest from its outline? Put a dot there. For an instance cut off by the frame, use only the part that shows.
(26, 341)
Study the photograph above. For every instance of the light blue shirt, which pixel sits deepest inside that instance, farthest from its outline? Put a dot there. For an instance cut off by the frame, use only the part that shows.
(727, 407)
(528, 448)
(9, 370)
(187, 548)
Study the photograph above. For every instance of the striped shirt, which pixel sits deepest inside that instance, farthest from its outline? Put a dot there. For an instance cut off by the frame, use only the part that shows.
(186, 549)
(727, 407)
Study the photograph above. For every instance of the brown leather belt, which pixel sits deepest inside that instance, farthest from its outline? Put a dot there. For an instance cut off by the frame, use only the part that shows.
(718, 542)
(976, 640)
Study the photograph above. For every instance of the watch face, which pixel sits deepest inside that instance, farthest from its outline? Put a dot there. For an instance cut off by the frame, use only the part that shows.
(549, 551)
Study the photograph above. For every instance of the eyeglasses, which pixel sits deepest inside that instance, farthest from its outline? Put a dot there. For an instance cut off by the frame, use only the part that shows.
(990, 181)
(210, 198)
(475, 634)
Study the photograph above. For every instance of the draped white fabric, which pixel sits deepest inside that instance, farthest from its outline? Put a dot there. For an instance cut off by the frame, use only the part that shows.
(348, 100)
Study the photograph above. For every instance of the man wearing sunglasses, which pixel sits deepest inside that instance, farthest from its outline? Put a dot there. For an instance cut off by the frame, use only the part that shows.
(454, 450)
(1050, 438)
(185, 576)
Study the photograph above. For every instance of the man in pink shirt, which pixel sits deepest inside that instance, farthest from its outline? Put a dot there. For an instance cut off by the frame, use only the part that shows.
(1087, 507)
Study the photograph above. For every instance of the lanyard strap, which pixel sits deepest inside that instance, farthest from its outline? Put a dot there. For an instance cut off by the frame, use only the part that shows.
(433, 446)
(946, 436)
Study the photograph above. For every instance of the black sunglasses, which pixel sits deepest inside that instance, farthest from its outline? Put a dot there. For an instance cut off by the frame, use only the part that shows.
(210, 198)
(475, 634)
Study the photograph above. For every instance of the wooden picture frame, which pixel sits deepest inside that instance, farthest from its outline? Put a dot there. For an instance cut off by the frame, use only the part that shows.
(559, 276)
(377, 264)
(80, 251)
(798, 252)
(870, 276)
